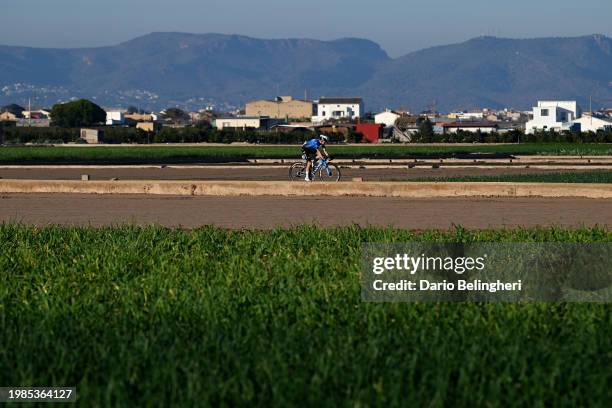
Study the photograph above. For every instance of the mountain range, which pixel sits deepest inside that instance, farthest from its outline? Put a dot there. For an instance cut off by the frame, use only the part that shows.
(194, 70)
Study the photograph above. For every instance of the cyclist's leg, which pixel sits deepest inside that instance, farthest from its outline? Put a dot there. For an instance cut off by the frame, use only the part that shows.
(308, 155)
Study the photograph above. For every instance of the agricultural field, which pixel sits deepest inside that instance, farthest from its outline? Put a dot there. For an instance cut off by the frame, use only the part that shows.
(151, 316)
(600, 176)
(203, 154)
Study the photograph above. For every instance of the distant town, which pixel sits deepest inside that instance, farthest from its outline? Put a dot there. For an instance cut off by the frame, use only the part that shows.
(334, 114)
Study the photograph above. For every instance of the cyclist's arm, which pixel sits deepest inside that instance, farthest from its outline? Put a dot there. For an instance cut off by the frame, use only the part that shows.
(323, 151)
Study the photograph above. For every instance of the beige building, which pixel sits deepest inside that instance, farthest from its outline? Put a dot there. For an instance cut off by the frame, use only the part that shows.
(245, 122)
(141, 117)
(149, 126)
(8, 116)
(282, 107)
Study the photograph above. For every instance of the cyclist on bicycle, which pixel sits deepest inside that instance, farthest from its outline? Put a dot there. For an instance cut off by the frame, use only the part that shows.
(314, 149)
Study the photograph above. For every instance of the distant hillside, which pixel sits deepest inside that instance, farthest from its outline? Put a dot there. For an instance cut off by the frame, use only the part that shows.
(162, 69)
(493, 72)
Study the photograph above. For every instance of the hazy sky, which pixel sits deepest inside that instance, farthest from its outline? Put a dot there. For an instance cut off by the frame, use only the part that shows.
(399, 26)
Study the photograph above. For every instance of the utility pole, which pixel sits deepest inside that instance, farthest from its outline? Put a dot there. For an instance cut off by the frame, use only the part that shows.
(29, 112)
(591, 108)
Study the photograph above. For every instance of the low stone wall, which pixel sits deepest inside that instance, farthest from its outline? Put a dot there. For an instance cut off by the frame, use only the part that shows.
(282, 188)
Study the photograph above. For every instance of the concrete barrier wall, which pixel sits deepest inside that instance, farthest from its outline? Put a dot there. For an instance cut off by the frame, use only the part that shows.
(281, 188)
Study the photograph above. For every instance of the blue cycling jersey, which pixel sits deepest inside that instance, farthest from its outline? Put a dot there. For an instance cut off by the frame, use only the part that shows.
(312, 144)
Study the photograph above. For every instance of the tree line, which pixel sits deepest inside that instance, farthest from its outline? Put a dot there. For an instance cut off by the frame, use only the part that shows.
(118, 135)
(195, 134)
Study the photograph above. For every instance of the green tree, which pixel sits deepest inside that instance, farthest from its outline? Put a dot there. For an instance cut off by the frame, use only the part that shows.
(77, 114)
(133, 109)
(426, 131)
(176, 115)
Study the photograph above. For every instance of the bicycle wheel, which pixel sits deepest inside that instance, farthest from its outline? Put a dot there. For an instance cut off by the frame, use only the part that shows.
(331, 173)
(297, 171)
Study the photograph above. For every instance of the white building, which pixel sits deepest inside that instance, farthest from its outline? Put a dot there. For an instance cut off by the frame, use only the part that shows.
(590, 123)
(238, 122)
(472, 127)
(338, 108)
(387, 118)
(115, 117)
(245, 122)
(465, 115)
(553, 115)
(36, 114)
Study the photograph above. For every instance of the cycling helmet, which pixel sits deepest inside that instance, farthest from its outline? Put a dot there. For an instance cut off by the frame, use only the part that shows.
(324, 138)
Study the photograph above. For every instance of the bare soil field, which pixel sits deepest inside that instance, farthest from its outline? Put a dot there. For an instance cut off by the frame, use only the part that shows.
(271, 212)
(252, 173)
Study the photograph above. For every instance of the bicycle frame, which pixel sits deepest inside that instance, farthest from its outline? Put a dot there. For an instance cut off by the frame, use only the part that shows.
(322, 163)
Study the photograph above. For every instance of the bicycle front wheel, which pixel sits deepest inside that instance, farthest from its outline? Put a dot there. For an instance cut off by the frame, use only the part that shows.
(330, 173)
(297, 171)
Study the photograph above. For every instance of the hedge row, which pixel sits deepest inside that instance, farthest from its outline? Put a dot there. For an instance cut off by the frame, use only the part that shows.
(116, 135)
(515, 136)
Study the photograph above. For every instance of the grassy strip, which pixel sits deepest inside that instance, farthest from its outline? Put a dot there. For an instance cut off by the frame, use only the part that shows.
(138, 317)
(220, 153)
(599, 177)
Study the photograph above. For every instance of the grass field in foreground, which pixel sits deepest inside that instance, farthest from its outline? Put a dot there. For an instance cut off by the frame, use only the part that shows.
(599, 177)
(151, 316)
(170, 154)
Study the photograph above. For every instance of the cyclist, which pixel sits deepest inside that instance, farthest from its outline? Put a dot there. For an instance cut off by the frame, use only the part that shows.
(314, 149)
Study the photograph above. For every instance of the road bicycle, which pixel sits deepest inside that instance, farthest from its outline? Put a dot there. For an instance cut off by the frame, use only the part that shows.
(323, 170)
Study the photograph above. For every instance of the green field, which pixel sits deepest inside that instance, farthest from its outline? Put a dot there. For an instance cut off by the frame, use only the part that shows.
(158, 317)
(179, 154)
(599, 176)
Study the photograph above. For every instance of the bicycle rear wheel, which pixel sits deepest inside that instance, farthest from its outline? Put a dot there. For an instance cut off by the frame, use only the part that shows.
(297, 171)
(331, 173)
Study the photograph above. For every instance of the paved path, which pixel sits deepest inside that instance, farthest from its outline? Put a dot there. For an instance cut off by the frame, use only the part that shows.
(269, 212)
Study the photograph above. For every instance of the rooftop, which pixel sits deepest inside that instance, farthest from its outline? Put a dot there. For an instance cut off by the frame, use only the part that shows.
(243, 117)
(469, 124)
(339, 100)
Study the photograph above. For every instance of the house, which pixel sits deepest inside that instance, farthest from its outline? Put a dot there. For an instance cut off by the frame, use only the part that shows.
(512, 115)
(282, 107)
(553, 115)
(245, 122)
(387, 118)
(590, 123)
(492, 117)
(92, 136)
(6, 116)
(454, 127)
(338, 108)
(142, 117)
(149, 126)
(37, 114)
(115, 117)
(465, 115)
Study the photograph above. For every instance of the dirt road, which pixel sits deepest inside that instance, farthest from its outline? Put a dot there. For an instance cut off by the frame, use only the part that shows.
(248, 173)
(269, 212)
